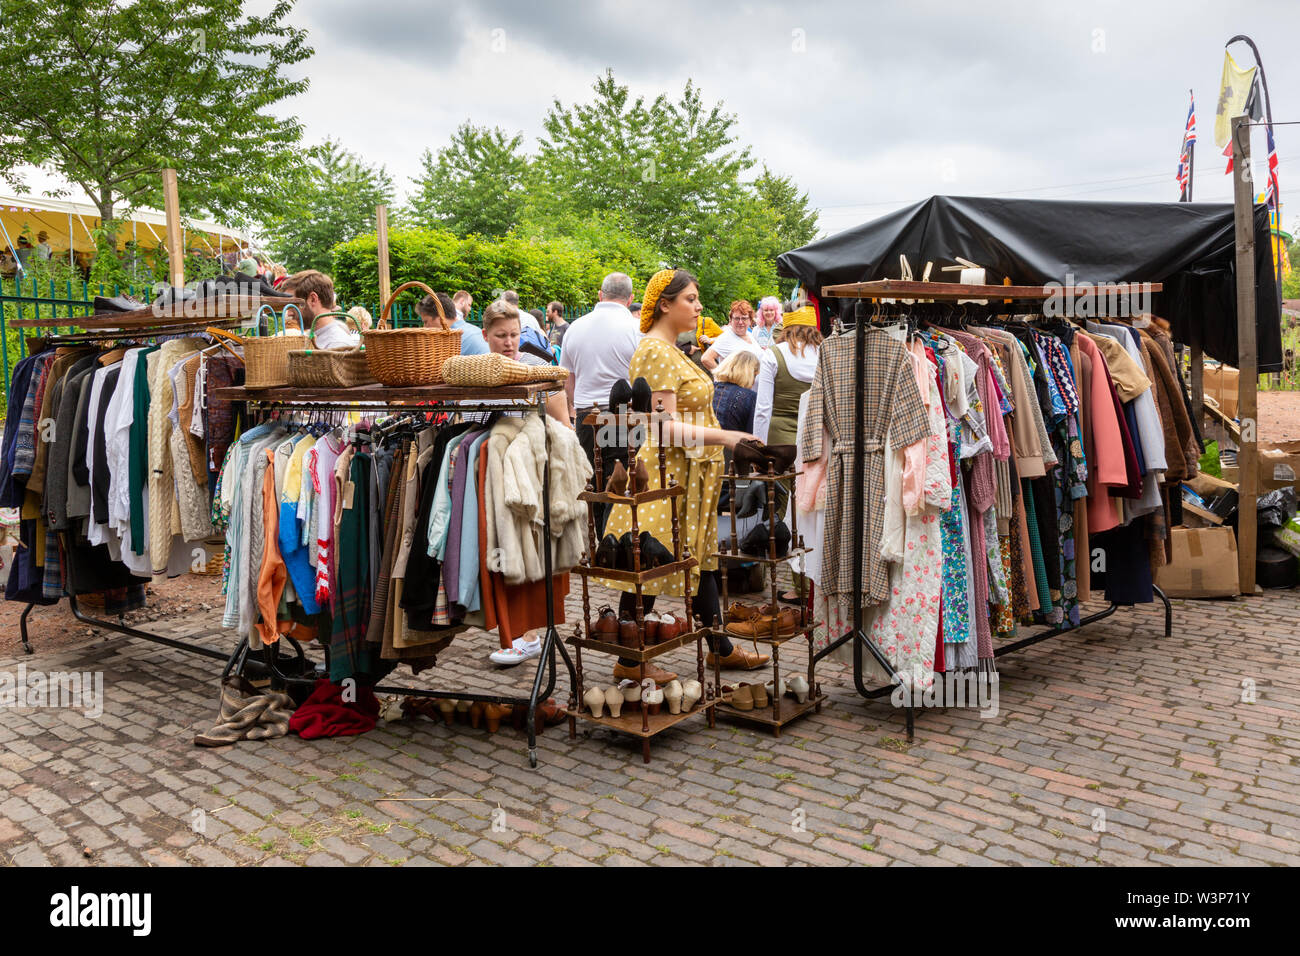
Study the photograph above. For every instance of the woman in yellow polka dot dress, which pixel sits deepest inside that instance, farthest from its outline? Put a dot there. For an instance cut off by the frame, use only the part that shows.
(694, 443)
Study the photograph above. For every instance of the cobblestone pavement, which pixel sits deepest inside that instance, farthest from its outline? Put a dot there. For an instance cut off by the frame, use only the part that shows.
(1111, 746)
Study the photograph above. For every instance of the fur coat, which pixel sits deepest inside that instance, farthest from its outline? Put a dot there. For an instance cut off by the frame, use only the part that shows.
(517, 457)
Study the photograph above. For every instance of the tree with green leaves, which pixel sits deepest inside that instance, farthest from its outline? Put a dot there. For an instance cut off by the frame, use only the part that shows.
(474, 184)
(108, 93)
(664, 168)
(796, 223)
(670, 173)
(333, 202)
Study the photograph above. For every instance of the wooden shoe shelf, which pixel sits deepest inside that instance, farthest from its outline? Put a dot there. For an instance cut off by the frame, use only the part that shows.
(779, 711)
(637, 722)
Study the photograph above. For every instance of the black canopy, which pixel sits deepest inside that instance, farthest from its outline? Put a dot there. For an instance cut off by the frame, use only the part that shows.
(1189, 247)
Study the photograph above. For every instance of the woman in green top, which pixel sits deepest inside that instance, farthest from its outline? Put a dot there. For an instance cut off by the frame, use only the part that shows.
(786, 372)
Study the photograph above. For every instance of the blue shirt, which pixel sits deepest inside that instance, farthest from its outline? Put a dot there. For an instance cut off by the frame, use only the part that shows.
(471, 338)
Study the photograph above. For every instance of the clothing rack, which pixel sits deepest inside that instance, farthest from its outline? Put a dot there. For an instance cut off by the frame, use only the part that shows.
(923, 293)
(146, 323)
(434, 398)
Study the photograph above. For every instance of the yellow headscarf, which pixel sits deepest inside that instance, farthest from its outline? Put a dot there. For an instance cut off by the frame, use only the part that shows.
(805, 316)
(706, 327)
(653, 290)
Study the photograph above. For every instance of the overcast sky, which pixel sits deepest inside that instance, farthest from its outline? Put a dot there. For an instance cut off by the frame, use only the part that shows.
(868, 105)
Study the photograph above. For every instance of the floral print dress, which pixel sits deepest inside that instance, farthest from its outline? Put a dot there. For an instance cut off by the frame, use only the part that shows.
(904, 626)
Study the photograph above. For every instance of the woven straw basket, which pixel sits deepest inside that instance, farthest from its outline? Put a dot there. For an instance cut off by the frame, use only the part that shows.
(329, 368)
(406, 357)
(493, 371)
(266, 357)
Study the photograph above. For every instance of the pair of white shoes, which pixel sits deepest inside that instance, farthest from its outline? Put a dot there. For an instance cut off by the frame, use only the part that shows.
(523, 649)
(679, 696)
(797, 687)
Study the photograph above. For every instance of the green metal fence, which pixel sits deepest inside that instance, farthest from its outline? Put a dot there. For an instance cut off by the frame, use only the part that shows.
(34, 299)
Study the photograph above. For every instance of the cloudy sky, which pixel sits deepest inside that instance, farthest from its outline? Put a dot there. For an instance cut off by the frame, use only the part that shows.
(868, 105)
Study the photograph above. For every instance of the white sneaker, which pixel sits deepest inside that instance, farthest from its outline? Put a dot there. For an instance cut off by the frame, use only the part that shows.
(522, 650)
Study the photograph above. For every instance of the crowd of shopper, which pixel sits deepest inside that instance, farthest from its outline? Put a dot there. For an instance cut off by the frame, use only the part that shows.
(721, 385)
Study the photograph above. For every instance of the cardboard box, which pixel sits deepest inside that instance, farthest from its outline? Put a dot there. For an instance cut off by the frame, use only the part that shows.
(1220, 383)
(1204, 564)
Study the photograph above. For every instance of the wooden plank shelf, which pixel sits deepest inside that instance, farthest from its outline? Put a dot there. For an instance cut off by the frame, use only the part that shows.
(640, 498)
(767, 638)
(630, 722)
(637, 654)
(633, 577)
(790, 711)
(784, 476)
(217, 309)
(944, 291)
(741, 557)
(382, 394)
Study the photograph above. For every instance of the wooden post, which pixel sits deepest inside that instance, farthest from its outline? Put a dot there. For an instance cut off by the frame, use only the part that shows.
(1247, 359)
(385, 283)
(172, 207)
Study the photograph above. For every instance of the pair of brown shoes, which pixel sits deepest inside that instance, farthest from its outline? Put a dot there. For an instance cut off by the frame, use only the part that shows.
(738, 659)
(760, 625)
(617, 484)
(749, 696)
(656, 674)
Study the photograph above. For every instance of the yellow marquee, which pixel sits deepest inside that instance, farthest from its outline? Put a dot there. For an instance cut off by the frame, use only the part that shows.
(68, 225)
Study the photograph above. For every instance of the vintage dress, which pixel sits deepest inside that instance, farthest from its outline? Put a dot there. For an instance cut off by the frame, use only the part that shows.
(697, 469)
(891, 403)
(905, 626)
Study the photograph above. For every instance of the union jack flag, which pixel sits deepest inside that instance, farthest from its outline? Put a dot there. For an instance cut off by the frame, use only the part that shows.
(1189, 137)
(1272, 170)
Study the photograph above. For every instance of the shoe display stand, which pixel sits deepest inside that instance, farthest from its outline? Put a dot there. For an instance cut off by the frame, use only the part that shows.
(782, 710)
(639, 721)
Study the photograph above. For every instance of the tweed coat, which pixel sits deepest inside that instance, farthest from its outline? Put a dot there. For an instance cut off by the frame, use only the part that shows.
(891, 405)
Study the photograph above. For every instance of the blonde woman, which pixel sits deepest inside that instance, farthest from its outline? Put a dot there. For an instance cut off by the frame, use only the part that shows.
(694, 442)
(785, 373)
(734, 397)
(501, 330)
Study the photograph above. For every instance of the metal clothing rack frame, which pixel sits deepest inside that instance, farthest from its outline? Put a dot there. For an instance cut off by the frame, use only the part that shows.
(433, 398)
(145, 323)
(923, 293)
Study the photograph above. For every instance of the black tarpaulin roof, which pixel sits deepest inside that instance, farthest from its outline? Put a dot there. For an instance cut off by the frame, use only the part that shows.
(1189, 247)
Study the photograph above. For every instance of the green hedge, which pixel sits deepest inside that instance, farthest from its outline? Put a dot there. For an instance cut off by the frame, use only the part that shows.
(540, 270)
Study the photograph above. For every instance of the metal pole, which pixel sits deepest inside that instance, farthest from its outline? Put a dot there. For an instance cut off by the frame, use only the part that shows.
(1268, 118)
(1247, 362)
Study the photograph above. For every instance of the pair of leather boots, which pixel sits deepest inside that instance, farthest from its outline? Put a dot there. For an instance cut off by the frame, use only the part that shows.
(617, 553)
(756, 541)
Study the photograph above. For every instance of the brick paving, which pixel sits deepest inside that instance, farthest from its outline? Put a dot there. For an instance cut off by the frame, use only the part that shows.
(1112, 746)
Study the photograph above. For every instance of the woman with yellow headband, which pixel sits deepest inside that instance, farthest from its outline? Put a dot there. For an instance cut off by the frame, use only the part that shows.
(694, 444)
(785, 373)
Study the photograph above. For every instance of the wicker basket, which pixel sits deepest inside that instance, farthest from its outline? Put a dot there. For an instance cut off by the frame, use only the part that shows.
(266, 357)
(494, 371)
(329, 368)
(406, 357)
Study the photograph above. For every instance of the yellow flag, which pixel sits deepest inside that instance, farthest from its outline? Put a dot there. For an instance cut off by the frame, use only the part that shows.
(1234, 90)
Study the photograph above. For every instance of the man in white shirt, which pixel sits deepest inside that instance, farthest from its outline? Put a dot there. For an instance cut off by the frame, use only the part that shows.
(317, 291)
(734, 337)
(597, 352)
